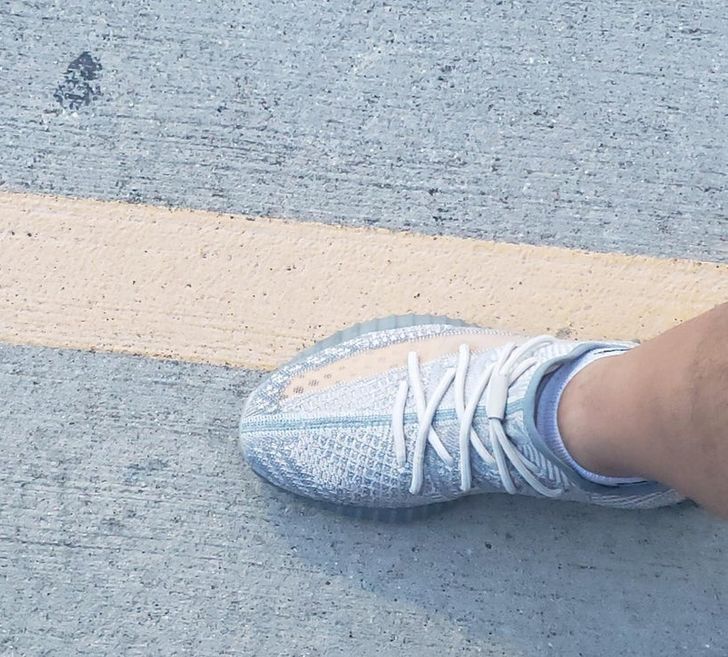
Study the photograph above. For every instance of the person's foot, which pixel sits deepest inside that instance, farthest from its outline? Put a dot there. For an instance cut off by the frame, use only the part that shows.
(409, 411)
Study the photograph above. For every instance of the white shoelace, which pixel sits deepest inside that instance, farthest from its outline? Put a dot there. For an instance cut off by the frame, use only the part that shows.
(494, 384)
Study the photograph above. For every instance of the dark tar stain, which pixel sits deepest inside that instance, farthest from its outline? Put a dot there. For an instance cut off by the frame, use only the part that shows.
(81, 83)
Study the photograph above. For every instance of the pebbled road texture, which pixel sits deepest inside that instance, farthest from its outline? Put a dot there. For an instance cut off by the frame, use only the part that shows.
(594, 125)
(129, 525)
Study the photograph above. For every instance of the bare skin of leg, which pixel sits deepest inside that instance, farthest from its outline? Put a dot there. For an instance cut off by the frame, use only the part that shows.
(659, 411)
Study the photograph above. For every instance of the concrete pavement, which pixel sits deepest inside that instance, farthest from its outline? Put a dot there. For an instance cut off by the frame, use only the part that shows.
(574, 124)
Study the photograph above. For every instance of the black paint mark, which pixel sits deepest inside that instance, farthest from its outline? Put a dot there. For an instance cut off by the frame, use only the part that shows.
(81, 82)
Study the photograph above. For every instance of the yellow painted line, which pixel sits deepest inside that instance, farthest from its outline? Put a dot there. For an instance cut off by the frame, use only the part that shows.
(207, 287)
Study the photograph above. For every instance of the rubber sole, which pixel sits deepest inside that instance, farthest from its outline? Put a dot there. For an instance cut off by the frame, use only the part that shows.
(401, 515)
(396, 515)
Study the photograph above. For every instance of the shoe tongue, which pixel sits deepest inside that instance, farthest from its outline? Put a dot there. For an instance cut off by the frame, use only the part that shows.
(516, 404)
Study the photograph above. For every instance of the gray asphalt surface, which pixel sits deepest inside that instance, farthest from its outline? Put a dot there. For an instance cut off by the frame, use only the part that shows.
(595, 125)
(129, 525)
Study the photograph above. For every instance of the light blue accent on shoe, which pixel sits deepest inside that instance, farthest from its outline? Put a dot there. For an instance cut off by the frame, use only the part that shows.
(547, 414)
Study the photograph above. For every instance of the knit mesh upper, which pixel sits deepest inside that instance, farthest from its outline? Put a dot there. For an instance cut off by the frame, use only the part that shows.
(337, 444)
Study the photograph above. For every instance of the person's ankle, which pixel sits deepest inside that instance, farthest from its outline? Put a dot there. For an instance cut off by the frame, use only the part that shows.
(589, 417)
